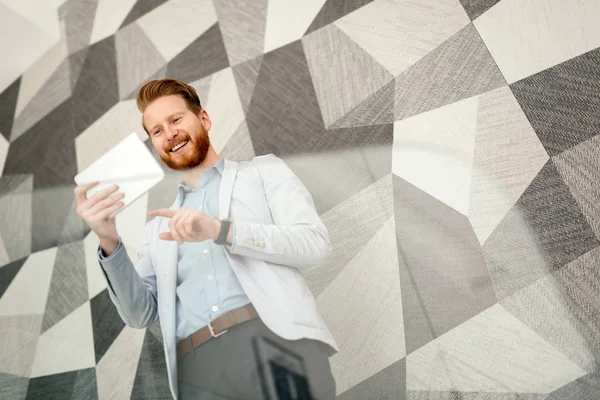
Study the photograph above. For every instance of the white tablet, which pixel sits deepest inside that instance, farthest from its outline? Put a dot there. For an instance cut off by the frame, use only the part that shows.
(129, 164)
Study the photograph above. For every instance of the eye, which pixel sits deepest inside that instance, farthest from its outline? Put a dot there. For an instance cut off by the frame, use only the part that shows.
(176, 120)
(156, 132)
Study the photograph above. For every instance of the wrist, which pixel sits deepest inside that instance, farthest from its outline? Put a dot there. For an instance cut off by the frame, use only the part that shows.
(108, 245)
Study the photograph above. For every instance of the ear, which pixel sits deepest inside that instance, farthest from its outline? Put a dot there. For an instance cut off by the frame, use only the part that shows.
(205, 118)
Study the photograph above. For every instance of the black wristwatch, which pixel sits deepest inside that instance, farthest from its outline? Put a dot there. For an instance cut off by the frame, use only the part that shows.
(222, 238)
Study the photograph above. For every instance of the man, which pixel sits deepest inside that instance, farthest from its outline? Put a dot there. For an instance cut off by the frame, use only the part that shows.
(221, 268)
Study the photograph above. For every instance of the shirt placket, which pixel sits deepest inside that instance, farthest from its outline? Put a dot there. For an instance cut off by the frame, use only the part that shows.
(211, 277)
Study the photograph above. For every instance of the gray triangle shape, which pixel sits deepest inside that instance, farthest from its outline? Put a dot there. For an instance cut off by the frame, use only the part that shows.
(459, 68)
(75, 229)
(76, 61)
(377, 109)
(141, 8)
(246, 75)
(159, 74)
(136, 57)
(8, 105)
(68, 286)
(79, 22)
(52, 94)
(389, 383)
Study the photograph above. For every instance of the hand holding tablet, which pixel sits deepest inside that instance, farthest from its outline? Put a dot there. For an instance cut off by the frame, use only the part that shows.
(112, 183)
(129, 165)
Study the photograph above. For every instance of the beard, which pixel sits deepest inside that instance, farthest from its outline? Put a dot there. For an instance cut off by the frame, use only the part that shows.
(193, 156)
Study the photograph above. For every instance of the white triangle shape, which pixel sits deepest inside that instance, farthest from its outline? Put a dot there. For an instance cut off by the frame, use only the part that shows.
(115, 373)
(96, 279)
(369, 301)
(434, 152)
(28, 292)
(287, 21)
(508, 155)
(67, 346)
(110, 14)
(491, 352)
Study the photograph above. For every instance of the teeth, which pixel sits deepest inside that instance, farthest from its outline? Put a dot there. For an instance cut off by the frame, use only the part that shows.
(180, 145)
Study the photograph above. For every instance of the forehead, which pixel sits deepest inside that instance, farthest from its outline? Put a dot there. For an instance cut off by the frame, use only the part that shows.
(163, 108)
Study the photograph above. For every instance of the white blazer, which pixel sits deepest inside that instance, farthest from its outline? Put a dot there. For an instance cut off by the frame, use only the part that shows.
(277, 233)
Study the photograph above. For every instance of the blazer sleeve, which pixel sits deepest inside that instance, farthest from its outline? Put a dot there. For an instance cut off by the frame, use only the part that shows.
(298, 238)
(132, 288)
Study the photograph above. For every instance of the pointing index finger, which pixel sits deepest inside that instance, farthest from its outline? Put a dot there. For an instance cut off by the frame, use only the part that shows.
(163, 212)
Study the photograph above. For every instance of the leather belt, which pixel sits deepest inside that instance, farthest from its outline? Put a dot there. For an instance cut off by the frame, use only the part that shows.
(216, 328)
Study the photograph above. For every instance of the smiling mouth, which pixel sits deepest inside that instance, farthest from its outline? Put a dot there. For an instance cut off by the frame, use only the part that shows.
(178, 146)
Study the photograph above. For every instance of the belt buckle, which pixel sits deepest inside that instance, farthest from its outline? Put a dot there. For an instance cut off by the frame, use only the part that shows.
(212, 331)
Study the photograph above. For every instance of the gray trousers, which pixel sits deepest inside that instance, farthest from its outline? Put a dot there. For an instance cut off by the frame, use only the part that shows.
(250, 362)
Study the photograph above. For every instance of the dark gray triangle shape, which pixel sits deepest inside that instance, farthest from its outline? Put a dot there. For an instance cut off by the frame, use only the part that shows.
(8, 273)
(204, 56)
(8, 105)
(106, 323)
(151, 376)
(546, 216)
(475, 8)
(245, 75)
(59, 386)
(334, 10)
(97, 89)
(389, 383)
(140, 8)
(86, 385)
(562, 103)
(13, 387)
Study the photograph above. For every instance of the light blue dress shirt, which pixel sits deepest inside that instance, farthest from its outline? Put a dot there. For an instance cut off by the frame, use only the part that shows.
(207, 287)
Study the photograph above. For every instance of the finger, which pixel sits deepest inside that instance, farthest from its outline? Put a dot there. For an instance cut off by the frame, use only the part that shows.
(107, 212)
(108, 202)
(80, 191)
(185, 226)
(163, 212)
(101, 195)
(174, 232)
(166, 236)
(181, 224)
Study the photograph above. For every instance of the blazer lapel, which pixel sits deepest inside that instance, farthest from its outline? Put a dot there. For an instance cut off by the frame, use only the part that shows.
(226, 189)
(167, 259)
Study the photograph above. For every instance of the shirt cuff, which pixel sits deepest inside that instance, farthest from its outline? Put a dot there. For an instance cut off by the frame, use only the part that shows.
(104, 257)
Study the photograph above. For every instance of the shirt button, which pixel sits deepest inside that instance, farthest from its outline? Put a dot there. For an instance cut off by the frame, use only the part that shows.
(205, 251)
(215, 308)
(210, 278)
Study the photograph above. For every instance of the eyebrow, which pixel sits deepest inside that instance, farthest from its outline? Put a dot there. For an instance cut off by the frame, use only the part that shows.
(168, 118)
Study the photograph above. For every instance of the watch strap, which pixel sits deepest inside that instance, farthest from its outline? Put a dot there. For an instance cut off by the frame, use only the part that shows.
(222, 238)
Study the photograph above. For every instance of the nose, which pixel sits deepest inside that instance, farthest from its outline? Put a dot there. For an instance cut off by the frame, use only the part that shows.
(171, 133)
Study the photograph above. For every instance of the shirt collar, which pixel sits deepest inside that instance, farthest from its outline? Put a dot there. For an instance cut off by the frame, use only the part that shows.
(206, 177)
